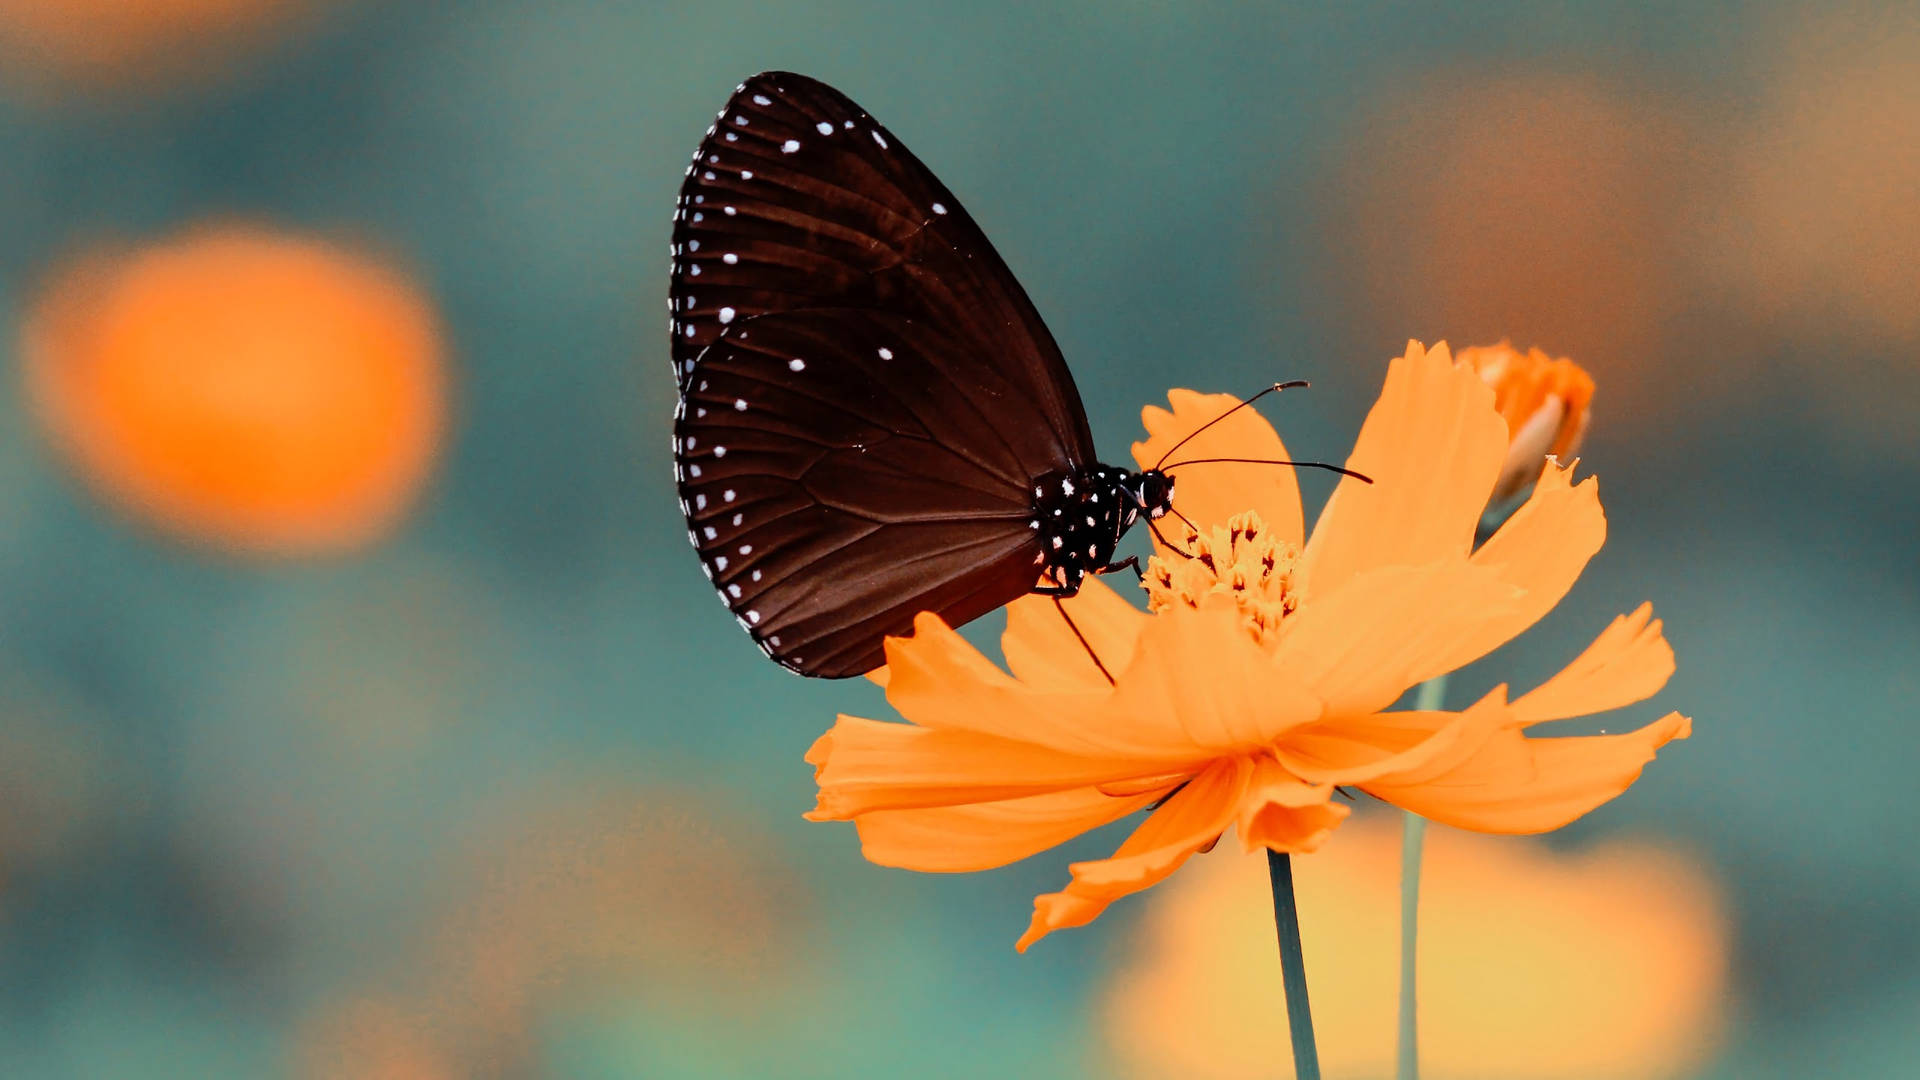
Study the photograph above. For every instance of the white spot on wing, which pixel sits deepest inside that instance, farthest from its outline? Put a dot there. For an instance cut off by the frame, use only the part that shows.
(878, 139)
(796, 364)
(740, 404)
(790, 146)
(886, 354)
(730, 258)
(762, 99)
(939, 209)
(726, 315)
(823, 127)
(730, 210)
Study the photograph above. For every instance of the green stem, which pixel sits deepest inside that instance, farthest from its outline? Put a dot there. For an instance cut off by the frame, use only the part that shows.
(1413, 837)
(1413, 840)
(1293, 967)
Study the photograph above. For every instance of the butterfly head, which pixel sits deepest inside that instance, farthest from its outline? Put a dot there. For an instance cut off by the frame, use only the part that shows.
(1153, 491)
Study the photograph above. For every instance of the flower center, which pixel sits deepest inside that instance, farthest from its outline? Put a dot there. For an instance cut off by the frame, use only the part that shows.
(1243, 560)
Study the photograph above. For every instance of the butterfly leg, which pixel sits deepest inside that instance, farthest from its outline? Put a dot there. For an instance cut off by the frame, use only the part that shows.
(1131, 562)
(1068, 588)
(1164, 545)
(1091, 655)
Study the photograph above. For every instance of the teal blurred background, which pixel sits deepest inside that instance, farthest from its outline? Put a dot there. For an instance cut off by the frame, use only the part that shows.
(506, 794)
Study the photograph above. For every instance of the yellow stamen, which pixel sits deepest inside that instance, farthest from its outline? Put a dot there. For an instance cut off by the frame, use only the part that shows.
(1244, 560)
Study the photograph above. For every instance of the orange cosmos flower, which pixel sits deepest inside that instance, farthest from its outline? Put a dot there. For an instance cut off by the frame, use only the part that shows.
(1608, 964)
(264, 392)
(1264, 674)
(1546, 403)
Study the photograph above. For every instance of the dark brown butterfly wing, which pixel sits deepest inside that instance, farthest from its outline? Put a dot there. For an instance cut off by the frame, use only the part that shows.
(797, 198)
(844, 469)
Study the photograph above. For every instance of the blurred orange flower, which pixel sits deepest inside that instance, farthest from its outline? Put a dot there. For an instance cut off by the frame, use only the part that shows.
(1544, 203)
(1815, 224)
(1263, 676)
(252, 389)
(368, 1039)
(577, 896)
(1606, 965)
(1546, 403)
(107, 44)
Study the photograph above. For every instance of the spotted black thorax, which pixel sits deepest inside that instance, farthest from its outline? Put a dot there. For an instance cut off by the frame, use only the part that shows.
(1081, 516)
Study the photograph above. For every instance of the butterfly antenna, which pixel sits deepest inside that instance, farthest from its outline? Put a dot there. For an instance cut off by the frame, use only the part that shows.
(1292, 385)
(1362, 477)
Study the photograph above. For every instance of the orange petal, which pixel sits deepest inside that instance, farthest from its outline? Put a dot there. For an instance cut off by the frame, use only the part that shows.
(1630, 661)
(1205, 688)
(1192, 819)
(1433, 446)
(1567, 778)
(1212, 493)
(1284, 813)
(938, 680)
(1043, 652)
(1541, 550)
(951, 839)
(866, 765)
(1360, 646)
(1360, 749)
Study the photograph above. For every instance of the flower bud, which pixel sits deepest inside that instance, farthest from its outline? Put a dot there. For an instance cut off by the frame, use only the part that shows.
(1546, 403)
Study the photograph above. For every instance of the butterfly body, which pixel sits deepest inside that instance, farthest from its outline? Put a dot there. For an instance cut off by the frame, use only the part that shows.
(1079, 519)
(873, 420)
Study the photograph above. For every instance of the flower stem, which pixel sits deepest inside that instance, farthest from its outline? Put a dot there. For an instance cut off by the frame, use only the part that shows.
(1413, 840)
(1293, 967)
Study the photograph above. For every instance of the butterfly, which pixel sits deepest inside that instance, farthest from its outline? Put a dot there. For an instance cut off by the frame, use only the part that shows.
(872, 419)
